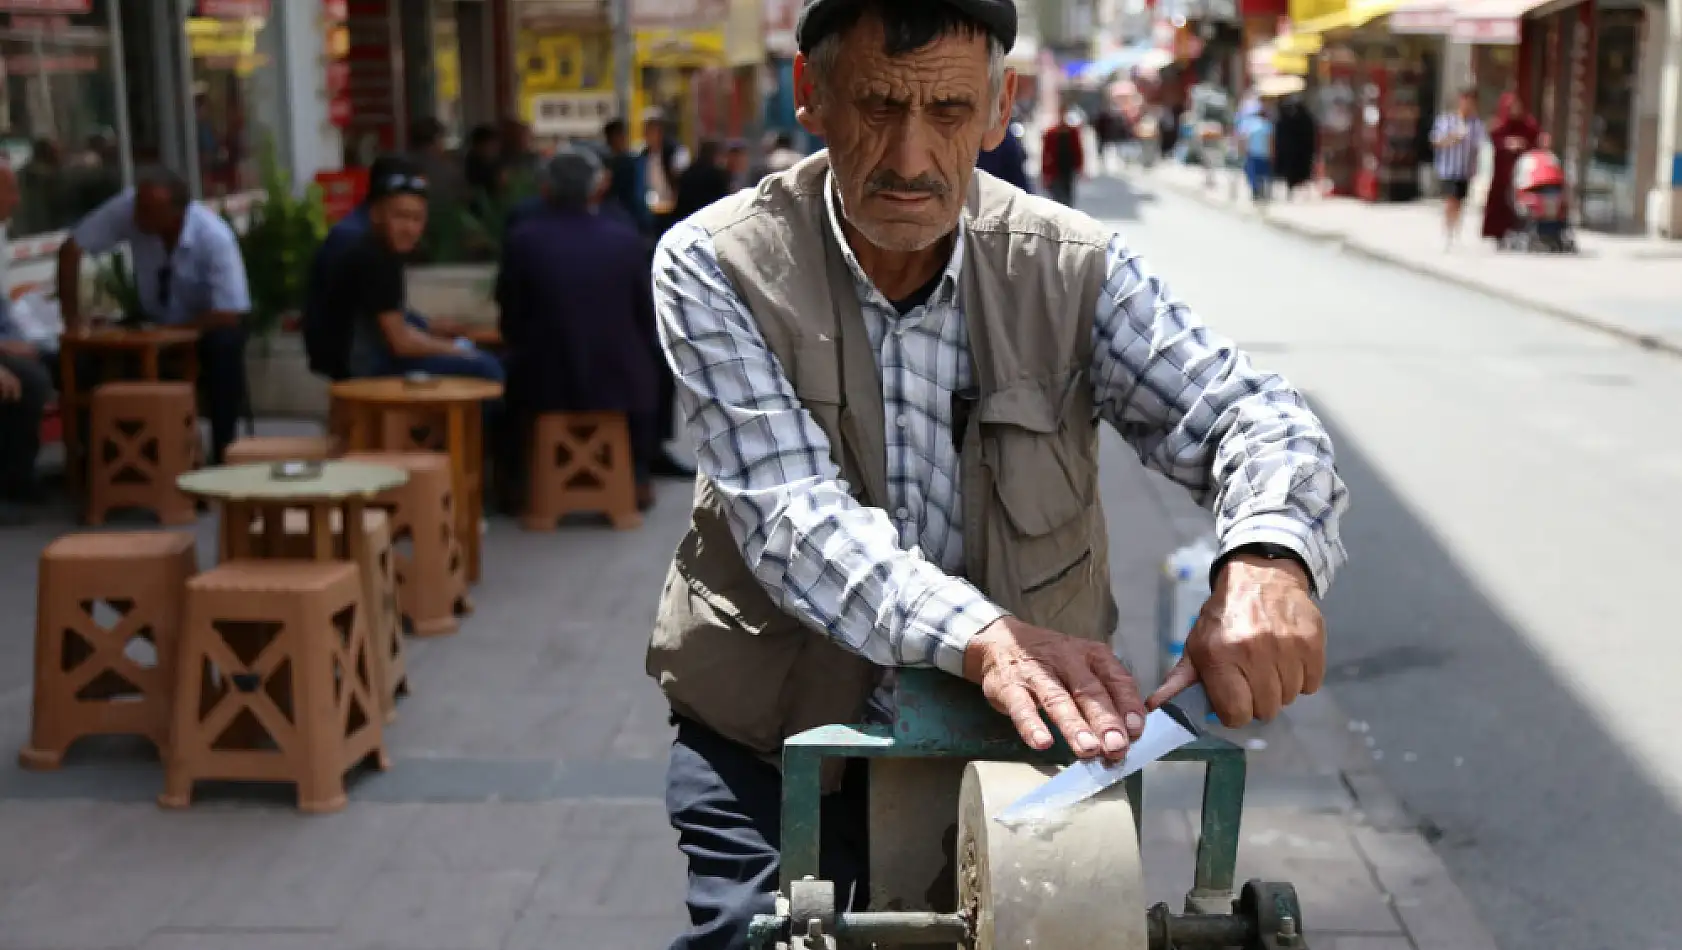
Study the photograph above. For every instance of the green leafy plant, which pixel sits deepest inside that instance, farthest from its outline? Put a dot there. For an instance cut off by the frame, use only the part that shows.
(116, 289)
(278, 243)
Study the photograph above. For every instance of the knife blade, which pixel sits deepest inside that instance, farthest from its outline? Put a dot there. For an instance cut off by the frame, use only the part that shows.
(1170, 726)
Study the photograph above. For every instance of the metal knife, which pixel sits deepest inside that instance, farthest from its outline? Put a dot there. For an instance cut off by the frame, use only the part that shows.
(1170, 726)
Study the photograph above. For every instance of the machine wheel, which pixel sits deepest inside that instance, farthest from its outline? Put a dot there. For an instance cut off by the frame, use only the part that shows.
(1072, 884)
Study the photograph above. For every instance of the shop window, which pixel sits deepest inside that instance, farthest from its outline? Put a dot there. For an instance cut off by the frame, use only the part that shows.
(58, 115)
(233, 47)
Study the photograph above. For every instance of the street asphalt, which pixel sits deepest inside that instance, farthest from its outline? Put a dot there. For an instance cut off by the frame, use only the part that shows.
(1506, 633)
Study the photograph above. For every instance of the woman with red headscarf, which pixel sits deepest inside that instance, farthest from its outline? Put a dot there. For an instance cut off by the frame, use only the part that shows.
(1512, 134)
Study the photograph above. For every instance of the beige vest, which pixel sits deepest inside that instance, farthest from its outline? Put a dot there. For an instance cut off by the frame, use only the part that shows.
(1034, 534)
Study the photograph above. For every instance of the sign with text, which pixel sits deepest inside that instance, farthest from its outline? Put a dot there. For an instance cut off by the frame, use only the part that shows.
(48, 6)
(678, 14)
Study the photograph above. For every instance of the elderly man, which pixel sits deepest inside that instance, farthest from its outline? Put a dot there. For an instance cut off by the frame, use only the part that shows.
(577, 310)
(188, 271)
(892, 368)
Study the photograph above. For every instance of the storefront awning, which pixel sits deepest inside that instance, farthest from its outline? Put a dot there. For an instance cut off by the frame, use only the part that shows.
(1497, 22)
(1423, 18)
(1357, 14)
(1299, 44)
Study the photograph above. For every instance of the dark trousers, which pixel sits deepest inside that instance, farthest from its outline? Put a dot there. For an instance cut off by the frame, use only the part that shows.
(20, 425)
(222, 393)
(1062, 188)
(726, 804)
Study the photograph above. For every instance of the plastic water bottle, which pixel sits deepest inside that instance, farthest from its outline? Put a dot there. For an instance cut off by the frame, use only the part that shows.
(1183, 588)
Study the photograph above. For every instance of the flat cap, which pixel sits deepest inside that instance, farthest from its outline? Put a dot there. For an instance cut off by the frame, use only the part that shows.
(819, 17)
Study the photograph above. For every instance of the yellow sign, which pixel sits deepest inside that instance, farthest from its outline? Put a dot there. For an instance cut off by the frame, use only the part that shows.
(1303, 11)
(680, 49)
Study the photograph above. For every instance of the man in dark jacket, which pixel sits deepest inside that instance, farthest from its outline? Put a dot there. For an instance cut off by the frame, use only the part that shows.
(578, 313)
(702, 183)
(1009, 161)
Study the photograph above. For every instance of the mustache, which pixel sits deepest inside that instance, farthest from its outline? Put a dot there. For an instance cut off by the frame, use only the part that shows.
(890, 181)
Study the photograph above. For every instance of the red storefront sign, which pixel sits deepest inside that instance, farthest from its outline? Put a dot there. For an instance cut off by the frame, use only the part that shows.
(233, 9)
(342, 191)
(48, 6)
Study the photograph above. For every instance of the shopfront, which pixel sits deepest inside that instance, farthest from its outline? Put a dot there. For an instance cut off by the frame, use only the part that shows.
(94, 88)
(1375, 93)
(1544, 50)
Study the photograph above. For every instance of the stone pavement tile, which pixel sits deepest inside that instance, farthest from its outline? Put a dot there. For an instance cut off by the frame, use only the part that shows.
(484, 724)
(1323, 941)
(1168, 855)
(242, 940)
(1438, 916)
(622, 819)
(1314, 853)
(38, 837)
(596, 933)
(603, 877)
(301, 871)
(481, 836)
(82, 907)
(436, 910)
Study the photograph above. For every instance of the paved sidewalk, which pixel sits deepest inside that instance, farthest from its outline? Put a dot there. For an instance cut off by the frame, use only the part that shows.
(524, 809)
(1628, 286)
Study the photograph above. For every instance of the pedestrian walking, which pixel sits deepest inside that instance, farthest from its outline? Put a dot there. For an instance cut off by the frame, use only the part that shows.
(1513, 133)
(827, 545)
(1062, 157)
(1296, 142)
(1254, 132)
(1456, 137)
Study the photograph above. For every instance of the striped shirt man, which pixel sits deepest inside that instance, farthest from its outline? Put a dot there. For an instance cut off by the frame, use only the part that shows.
(1456, 139)
(885, 584)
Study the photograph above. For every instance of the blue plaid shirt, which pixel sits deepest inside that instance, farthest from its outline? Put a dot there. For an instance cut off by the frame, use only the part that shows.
(881, 582)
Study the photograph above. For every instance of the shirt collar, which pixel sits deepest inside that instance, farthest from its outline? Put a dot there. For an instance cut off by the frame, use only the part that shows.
(944, 294)
(191, 224)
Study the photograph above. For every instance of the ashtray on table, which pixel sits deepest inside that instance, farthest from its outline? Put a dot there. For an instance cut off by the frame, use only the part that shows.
(295, 471)
(418, 380)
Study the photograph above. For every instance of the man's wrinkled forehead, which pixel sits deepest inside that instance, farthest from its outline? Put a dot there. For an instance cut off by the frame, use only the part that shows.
(953, 67)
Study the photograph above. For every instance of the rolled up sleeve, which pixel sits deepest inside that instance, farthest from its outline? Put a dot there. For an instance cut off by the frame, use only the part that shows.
(106, 226)
(1190, 403)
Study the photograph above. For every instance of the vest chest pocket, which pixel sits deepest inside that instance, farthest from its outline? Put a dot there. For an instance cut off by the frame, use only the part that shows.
(816, 376)
(1033, 443)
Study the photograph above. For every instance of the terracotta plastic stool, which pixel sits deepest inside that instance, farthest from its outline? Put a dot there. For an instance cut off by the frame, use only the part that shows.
(86, 681)
(275, 681)
(581, 461)
(145, 436)
(281, 448)
(413, 430)
(378, 566)
(431, 573)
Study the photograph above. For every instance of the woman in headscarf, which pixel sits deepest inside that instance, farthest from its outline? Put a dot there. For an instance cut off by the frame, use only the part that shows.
(1296, 141)
(1512, 134)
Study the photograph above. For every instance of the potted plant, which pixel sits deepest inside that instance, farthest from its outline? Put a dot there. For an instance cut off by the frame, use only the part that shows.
(279, 243)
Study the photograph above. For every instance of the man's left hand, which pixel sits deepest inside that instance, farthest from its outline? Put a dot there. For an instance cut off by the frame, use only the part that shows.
(1258, 644)
(22, 349)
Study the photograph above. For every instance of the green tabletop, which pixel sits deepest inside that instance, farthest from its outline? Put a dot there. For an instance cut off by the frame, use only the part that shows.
(258, 483)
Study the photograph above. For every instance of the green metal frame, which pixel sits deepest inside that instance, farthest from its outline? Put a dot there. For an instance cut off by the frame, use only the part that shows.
(940, 716)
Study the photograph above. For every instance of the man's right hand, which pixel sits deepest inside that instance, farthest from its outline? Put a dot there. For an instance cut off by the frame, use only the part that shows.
(10, 389)
(1085, 691)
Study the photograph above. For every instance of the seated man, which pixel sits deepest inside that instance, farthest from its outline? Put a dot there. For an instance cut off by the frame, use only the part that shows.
(188, 271)
(328, 344)
(366, 292)
(25, 386)
(577, 309)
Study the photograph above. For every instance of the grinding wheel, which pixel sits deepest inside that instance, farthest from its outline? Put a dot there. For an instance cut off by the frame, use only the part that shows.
(1070, 884)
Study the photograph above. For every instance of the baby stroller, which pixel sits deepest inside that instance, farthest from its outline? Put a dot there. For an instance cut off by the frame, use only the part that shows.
(1540, 206)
